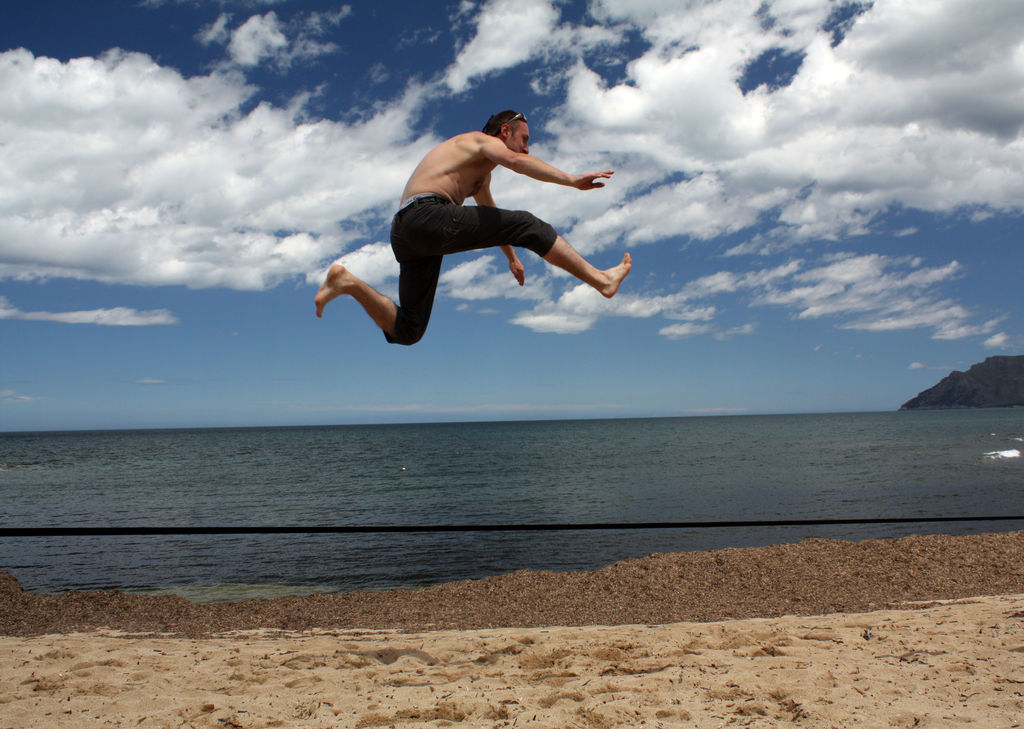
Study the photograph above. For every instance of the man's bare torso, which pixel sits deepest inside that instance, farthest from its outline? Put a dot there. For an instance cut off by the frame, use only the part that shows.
(456, 169)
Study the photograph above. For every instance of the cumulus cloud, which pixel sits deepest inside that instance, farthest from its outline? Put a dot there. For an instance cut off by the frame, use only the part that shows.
(788, 122)
(258, 38)
(114, 317)
(508, 32)
(857, 115)
(511, 32)
(267, 39)
(122, 171)
(887, 116)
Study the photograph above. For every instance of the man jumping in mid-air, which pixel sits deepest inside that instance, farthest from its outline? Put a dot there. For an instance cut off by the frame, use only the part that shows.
(432, 222)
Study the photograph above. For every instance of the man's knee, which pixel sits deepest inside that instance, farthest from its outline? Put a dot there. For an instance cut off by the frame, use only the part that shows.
(406, 341)
(537, 235)
(406, 333)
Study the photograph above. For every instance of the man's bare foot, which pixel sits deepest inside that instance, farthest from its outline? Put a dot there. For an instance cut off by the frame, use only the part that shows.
(615, 276)
(334, 286)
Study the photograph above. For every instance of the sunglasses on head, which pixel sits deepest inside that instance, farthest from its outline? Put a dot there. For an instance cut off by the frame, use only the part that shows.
(520, 115)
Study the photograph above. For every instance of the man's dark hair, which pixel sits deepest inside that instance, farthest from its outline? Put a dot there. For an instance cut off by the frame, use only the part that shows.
(494, 124)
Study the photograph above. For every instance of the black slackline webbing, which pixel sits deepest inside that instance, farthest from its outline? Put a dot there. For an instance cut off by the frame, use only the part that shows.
(141, 531)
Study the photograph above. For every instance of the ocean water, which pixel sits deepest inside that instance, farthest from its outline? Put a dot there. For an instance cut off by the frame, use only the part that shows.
(844, 466)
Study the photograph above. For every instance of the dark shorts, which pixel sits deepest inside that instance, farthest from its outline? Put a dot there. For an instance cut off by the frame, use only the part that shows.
(430, 228)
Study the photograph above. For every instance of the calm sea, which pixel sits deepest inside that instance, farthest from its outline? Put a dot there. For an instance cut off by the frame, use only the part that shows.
(864, 465)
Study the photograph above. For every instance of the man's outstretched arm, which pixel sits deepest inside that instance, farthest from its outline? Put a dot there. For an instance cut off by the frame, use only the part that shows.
(538, 169)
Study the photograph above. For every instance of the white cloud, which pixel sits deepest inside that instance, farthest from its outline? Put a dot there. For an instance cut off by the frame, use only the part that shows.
(122, 171)
(488, 277)
(851, 284)
(549, 320)
(863, 292)
(324, 22)
(258, 38)
(508, 32)
(684, 331)
(266, 39)
(117, 317)
(215, 32)
(889, 116)
(697, 207)
(923, 366)
(874, 293)
(12, 396)
(580, 307)
(374, 263)
(998, 341)
(945, 317)
(740, 331)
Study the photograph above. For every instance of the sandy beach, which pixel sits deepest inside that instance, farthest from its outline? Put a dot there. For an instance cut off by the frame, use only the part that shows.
(947, 662)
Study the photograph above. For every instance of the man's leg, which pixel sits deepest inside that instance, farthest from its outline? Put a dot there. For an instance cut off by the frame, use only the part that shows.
(401, 324)
(480, 226)
(606, 282)
(342, 281)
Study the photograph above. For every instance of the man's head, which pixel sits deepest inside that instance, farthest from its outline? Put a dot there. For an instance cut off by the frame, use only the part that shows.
(510, 126)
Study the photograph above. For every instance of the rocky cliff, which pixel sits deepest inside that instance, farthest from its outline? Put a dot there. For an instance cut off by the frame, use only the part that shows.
(998, 382)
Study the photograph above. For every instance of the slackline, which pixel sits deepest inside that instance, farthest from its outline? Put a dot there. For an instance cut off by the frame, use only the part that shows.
(143, 531)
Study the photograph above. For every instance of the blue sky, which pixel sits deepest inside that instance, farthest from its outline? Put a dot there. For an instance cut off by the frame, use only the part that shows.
(823, 201)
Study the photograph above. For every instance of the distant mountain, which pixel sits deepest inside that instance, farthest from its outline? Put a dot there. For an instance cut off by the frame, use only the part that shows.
(998, 382)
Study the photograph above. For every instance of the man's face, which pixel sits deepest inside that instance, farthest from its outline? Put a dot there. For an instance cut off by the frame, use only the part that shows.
(518, 137)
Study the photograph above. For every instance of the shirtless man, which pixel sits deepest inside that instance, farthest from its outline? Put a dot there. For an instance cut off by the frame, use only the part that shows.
(432, 222)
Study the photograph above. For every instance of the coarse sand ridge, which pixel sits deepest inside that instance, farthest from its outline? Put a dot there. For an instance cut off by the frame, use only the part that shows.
(813, 577)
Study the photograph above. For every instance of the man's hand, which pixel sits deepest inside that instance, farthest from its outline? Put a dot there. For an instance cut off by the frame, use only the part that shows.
(514, 265)
(517, 270)
(588, 181)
